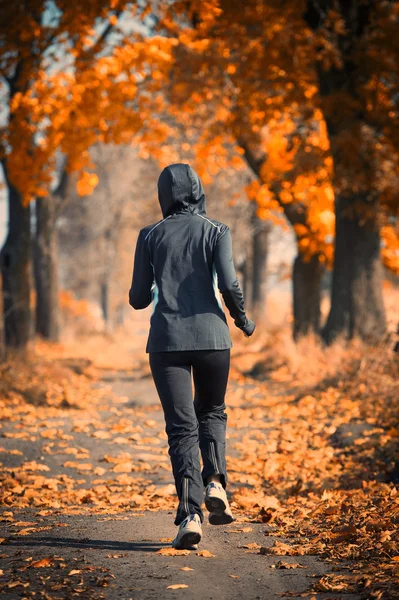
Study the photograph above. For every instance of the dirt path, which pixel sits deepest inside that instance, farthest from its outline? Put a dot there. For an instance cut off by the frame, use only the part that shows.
(91, 503)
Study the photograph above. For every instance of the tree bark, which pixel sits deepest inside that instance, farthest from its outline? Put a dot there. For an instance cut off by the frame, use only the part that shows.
(396, 346)
(241, 265)
(2, 338)
(296, 213)
(357, 308)
(245, 275)
(306, 287)
(15, 260)
(260, 245)
(104, 301)
(46, 270)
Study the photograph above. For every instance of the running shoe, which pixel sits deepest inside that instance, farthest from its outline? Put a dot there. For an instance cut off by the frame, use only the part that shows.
(217, 504)
(189, 534)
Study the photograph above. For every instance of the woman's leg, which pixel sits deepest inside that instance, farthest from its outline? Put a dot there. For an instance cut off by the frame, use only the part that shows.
(211, 372)
(172, 376)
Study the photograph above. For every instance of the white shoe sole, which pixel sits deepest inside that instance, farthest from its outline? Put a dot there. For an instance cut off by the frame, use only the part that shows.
(217, 507)
(187, 541)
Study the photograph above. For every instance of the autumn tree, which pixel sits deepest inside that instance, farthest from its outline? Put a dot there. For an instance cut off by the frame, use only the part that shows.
(293, 179)
(357, 54)
(45, 258)
(96, 232)
(2, 340)
(226, 85)
(65, 89)
(330, 70)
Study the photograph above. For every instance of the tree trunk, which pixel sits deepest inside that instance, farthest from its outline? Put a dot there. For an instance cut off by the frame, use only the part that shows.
(104, 301)
(296, 214)
(46, 270)
(306, 285)
(245, 276)
(2, 339)
(15, 259)
(357, 308)
(241, 264)
(259, 267)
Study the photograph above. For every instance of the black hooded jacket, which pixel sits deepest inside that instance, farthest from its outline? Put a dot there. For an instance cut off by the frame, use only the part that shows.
(181, 262)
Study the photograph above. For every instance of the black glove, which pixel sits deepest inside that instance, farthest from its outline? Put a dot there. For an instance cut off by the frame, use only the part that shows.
(248, 328)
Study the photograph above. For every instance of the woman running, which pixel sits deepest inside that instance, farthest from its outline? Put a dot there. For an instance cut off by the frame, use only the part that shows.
(180, 263)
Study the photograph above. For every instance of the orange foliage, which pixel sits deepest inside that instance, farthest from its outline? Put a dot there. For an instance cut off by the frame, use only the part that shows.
(245, 77)
(310, 446)
(68, 89)
(390, 247)
(72, 306)
(233, 79)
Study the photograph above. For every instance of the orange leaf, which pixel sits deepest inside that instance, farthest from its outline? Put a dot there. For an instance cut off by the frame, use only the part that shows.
(44, 562)
(172, 552)
(205, 554)
(251, 546)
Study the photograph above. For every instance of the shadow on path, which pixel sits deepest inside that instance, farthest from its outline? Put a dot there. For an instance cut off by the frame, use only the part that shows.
(145, 546)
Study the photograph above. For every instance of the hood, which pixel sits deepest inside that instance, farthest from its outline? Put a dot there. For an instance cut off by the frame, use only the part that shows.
(180, 188)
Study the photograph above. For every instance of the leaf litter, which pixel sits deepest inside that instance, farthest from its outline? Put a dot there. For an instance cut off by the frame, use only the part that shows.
(297, 468)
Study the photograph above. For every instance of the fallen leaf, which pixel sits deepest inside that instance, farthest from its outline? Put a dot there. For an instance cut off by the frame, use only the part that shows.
(234, 576)
(14, 584)
(34, 466)
(205, 554)
(44, 562)
(173, 552)
(281, 564)
(186, 569)
(267, 515)
(123, 467)
(343, 534)
(385, 535)
(331, 510)
(75, 465)
(177, 586)
(166, 490)
(102, 435)
(99, 471)
(74, 572)
(26, 531)
(251, 546)
(281, 549)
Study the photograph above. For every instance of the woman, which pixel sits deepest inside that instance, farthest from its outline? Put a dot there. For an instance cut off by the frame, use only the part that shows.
(180, 263)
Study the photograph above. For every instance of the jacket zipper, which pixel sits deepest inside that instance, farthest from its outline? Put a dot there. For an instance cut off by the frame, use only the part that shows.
(213, 456)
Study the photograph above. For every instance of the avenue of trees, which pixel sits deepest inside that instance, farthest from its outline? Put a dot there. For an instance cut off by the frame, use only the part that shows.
(326, 74)
(304, 93)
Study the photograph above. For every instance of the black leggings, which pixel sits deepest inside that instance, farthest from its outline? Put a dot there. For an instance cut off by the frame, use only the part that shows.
(193, 426)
